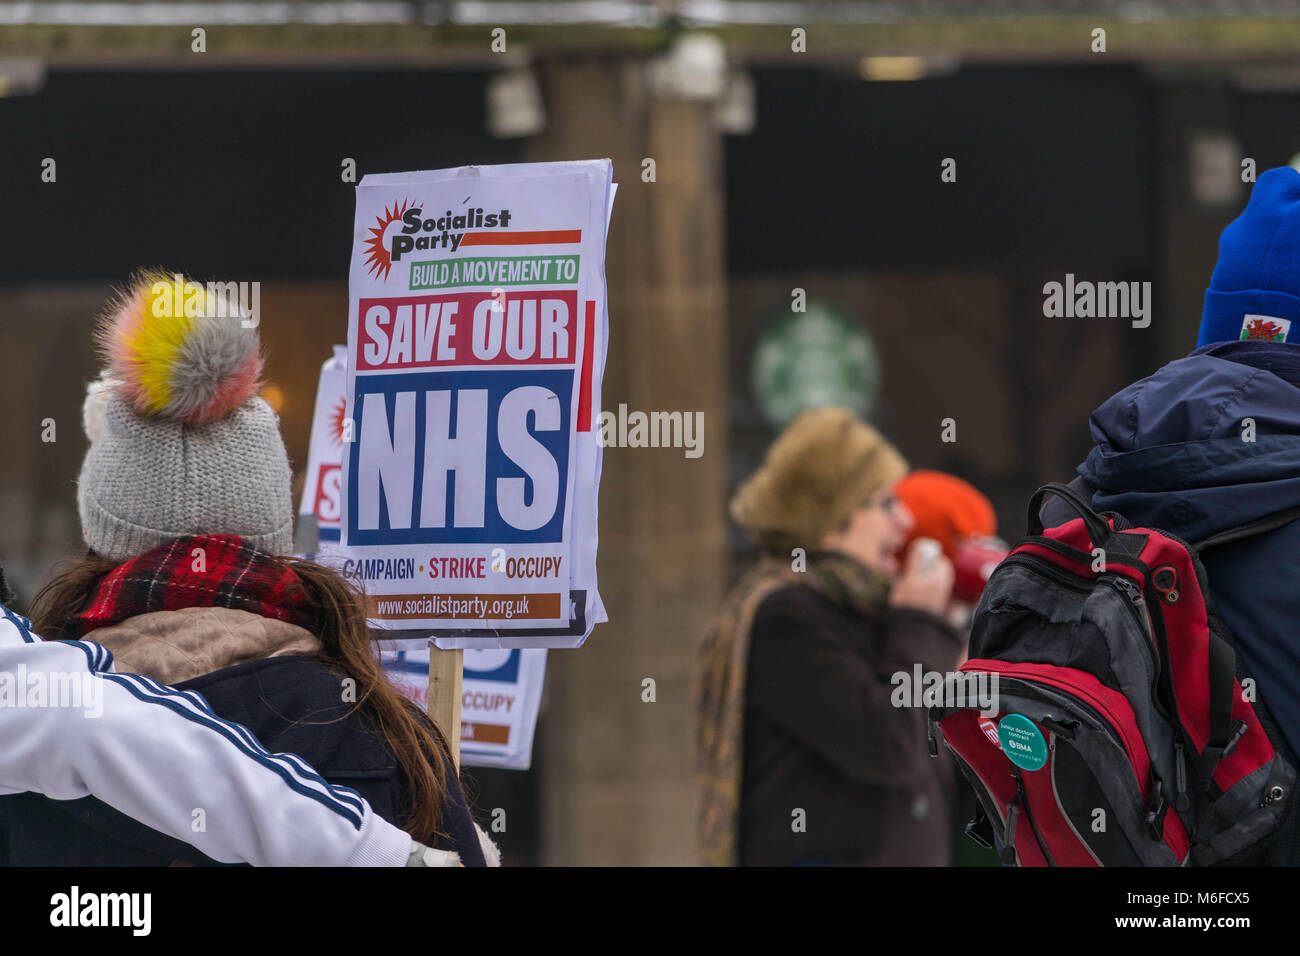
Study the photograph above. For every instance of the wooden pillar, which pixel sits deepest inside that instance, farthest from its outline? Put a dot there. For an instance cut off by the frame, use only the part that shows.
(619, 770)
(1188, 234)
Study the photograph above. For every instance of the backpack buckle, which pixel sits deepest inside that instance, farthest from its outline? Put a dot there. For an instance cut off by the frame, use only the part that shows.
(1211, 756)
(1238, 731)
(1008, 854)
(979, 829)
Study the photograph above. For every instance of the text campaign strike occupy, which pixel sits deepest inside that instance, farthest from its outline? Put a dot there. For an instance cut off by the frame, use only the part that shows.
(476, 345)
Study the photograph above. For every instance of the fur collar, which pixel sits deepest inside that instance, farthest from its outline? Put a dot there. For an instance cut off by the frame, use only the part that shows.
(176, 646)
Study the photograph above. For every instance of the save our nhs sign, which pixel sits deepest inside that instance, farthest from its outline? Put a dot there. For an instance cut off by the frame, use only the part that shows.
(476, 344)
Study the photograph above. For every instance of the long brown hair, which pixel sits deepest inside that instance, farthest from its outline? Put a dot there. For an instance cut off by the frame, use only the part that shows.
(338, 611)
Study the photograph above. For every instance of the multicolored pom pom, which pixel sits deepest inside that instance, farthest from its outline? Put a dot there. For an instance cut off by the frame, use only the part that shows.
(179, 349)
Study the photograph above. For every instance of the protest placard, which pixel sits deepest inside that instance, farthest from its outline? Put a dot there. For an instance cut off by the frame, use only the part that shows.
(322, 497)
(501, 689)
(476, 345)
(500, 696)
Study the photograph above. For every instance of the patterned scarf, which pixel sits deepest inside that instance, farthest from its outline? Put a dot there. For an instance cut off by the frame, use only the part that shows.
(205, 570)
(721, 696)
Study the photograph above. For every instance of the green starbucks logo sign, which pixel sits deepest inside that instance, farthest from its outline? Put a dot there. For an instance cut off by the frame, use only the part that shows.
(812, 358)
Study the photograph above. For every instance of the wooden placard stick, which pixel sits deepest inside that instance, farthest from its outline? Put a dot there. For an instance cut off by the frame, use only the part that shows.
(446, 669)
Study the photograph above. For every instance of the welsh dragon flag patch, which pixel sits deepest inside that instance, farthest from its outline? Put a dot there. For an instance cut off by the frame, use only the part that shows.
(1265, 328)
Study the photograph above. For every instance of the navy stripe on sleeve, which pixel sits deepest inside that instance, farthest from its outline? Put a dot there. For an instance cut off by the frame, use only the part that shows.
(338, 799)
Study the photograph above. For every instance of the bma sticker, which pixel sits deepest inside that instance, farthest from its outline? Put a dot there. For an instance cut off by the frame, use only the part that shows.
(1022, 742)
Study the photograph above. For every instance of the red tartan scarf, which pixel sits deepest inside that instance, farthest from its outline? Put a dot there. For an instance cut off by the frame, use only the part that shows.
(203, 570)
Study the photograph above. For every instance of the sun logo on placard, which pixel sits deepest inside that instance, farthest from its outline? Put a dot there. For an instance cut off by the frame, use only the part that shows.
(379, 260)
(337, 414)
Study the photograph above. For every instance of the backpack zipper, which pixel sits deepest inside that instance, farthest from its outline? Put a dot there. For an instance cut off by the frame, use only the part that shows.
(1118, 582)
(1056, 795)
(1037, 687)
(1022, 799)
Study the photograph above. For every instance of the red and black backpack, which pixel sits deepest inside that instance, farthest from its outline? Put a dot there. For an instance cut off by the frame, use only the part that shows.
(1119, 733)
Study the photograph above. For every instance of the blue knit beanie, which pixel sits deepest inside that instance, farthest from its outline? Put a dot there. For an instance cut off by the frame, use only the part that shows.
(1255, 290)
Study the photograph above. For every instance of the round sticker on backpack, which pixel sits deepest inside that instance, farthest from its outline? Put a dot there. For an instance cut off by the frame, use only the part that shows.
(1022, 742)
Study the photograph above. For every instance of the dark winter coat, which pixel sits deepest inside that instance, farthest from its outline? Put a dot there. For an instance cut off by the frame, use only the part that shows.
(1207, 443)
(292, 704)
(823, 737)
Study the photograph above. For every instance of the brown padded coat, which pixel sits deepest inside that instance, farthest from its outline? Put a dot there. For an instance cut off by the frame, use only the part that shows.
(822, 736)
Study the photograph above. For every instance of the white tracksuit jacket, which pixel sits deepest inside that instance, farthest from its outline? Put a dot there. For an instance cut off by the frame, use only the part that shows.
(158, 754)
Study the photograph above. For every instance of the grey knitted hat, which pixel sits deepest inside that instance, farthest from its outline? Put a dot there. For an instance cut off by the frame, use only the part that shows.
(179, 441)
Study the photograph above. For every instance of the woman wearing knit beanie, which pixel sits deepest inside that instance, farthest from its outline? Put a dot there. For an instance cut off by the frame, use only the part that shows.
(185, 505)
(804, 758)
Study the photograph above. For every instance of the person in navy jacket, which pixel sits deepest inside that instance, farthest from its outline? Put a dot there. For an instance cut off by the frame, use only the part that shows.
(1211, 442)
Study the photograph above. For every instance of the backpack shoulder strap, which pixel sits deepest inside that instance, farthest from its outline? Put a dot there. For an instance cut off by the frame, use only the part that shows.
(1057, 510)
(1098, 530)
(1223, 664)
